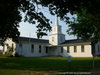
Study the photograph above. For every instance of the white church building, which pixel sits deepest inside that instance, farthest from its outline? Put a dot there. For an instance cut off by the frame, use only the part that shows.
(55, 46)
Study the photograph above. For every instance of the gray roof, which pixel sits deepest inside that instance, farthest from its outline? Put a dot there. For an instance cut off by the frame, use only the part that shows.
(73, 41)
(28, 39)
(35, 40)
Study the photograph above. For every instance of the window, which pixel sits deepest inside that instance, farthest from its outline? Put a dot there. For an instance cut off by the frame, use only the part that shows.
(68, 49)
(82, 48)
(20, 45)
(61, 49)
(46, 51)
(98, 48)
(32, 48)
(39, 48)
(75, 49)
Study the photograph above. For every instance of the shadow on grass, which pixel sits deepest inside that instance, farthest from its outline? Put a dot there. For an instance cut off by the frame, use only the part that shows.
(48, 64)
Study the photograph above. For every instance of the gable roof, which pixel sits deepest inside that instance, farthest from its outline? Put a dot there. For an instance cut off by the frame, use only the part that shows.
(35, 40)
(73, 41)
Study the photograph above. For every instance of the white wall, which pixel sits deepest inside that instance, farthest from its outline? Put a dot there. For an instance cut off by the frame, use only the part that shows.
(56, 35)
(56, 29)
(61, 38)
(25, 50)
(64, 54)
(53, 51)
(53, 39)
(87, 51)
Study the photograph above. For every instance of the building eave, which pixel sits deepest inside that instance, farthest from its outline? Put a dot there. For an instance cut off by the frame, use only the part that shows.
(73, 44)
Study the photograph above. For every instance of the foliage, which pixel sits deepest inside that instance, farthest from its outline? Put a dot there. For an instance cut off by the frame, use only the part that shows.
(17, 55)
(9, 50)
(87, 25)
(10, 16)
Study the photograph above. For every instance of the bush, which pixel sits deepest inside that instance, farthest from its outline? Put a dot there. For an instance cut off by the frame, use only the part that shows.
(17, 55)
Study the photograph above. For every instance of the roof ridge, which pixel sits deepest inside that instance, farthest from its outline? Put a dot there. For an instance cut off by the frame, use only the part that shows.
(33, 38)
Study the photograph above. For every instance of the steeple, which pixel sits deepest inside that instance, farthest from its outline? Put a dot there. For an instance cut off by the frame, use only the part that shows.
(56, 37)
(56, 20)
(57, 27)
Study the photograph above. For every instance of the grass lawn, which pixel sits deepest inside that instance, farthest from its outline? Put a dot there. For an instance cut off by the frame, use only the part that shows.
(20, 65)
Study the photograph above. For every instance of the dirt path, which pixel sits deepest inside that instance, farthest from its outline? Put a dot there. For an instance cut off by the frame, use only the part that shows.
(92, 72)
(95, 71)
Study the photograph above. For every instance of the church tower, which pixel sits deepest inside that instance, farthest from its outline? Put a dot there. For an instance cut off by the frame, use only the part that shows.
(56, 37)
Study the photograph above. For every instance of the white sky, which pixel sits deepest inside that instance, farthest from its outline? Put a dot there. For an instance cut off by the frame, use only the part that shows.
(29, 30)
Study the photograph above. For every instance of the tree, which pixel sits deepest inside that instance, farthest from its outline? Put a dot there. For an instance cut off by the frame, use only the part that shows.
(10, 15)
(87, 23)
(86, 26)
(10, 51)
(9, 19)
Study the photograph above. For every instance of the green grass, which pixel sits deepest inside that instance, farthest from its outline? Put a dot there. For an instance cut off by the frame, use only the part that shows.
(3, 55)
(16, 66)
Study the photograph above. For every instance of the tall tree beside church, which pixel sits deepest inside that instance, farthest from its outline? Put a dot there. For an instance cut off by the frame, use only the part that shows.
(87, 23)
(86, 26)
(9, 18)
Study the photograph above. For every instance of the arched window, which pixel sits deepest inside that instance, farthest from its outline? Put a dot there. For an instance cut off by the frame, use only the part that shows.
(75, 49)
(82, 48)
(32, 48)
(46, 51)
(98, 48)
(20, 44)
(68, 51)
(39, 48)
(61, 49)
